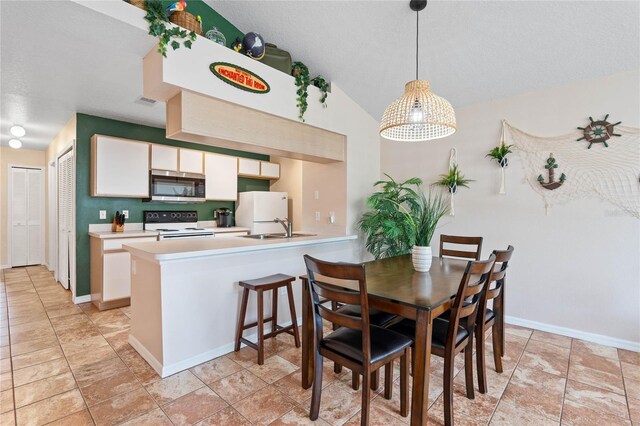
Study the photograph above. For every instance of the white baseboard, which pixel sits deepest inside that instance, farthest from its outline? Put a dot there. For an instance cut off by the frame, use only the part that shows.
(577, 334)
(167, 370)
(5, 266)
(82, 299)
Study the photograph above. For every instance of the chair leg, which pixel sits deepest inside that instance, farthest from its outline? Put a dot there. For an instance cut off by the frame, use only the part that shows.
(388, 380)
(337, 368)
(316, 391)
(498, 351)
(260, 328)
(366, 397)
(480, 359)
(413, 359)
(468, 367)
(241, 318)
(355, 380)
(447, 395)
(404, 384)
(294, 318)
(274, 309)
(375, 380)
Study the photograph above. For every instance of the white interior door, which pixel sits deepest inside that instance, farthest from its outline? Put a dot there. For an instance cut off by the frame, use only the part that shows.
(19, 242)
(65, 216)
(26, 216)
(52, 201)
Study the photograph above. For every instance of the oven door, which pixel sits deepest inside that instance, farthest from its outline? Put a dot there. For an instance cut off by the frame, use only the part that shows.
(183, 236)
(176, 187)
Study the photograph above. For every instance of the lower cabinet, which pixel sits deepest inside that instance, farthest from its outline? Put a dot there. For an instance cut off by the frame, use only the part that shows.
(111, 271)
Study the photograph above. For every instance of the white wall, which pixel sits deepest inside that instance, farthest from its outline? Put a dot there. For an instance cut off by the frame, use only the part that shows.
(577, 268)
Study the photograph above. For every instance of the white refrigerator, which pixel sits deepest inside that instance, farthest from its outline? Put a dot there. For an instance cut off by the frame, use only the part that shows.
(256, 210)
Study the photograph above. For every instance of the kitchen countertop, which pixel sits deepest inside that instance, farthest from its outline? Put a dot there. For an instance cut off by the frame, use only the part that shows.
(200, 247)
(125, 234)
(221, 230)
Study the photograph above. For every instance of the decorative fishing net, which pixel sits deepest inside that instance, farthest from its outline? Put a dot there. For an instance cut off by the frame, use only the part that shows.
(610, 173)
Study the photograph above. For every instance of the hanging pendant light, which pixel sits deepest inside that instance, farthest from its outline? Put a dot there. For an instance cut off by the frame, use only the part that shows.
(419, 114)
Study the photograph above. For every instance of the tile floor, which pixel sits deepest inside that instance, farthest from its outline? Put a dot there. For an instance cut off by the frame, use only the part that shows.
(71, 365)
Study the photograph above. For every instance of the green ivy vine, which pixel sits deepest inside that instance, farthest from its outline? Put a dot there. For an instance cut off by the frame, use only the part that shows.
(168, 35)
(323, 85)
(301, 74)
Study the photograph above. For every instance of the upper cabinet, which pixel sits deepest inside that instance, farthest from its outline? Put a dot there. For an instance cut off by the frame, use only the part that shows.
(221, 173)
(258, 169)
(191, 161)
(119, 167)
(164, 157)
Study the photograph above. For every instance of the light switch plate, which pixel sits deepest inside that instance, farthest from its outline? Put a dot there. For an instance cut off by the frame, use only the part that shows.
(125, 213)
(317, 215)
(103, 214)
(316, 195)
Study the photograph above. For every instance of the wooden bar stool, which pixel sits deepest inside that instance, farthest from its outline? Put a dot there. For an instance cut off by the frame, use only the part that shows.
(259, 285)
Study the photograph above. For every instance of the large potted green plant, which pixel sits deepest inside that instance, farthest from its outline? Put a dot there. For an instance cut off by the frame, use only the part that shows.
(402, 219)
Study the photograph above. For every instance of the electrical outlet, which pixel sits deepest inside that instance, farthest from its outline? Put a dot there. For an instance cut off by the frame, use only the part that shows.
(103, 214)
(125, 213)
(316, 195)
(317, 215)
(332, 217)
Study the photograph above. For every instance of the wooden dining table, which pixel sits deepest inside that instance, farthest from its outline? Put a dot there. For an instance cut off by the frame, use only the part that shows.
(394, 286)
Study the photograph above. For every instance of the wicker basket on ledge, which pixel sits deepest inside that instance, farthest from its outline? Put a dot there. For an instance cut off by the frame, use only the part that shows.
(186, 21)
(138, 3)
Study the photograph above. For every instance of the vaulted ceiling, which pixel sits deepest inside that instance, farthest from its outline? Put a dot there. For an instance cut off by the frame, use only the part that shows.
(59, 57)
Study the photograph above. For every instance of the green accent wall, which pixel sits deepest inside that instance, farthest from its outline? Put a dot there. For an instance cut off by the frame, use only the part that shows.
(210, 18)
(88, 207)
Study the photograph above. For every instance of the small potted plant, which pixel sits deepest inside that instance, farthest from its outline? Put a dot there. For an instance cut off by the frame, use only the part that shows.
(402, 219)
(499, 154)
(453, 179)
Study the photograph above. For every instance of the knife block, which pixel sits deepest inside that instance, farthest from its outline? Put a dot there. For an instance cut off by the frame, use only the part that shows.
(115, 227)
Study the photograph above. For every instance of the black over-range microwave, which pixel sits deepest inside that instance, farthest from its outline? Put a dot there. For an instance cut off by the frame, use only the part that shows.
(176, 187)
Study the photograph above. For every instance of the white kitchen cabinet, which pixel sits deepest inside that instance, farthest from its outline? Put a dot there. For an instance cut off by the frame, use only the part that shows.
(248, 167)
(110, 270)
(269, 170)
(164, 157)
(119, 167)
(221, 177)
(190, 161)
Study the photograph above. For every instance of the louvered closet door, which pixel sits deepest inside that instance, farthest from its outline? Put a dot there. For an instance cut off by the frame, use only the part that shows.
(65, 215)
(19, 241)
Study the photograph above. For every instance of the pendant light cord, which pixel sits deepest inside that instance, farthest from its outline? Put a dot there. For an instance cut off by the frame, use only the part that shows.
(417, 41)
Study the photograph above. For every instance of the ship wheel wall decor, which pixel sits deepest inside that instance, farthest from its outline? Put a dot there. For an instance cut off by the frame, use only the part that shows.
(598, 131)
(552, 183)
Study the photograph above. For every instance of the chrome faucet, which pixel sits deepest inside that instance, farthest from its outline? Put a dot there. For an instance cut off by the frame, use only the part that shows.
(287, 225)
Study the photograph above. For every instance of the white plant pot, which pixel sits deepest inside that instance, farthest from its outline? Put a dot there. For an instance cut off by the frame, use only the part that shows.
(421, 257)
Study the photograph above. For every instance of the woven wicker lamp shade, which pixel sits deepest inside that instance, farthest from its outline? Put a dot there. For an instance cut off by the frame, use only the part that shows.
(418, 115)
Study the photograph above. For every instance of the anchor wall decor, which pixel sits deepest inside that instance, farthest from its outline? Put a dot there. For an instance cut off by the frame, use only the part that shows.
(552, 183)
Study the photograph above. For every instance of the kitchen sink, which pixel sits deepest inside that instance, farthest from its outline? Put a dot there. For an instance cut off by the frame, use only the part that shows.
(280, 236)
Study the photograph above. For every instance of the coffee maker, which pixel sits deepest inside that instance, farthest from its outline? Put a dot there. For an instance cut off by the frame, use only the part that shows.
(224, 217)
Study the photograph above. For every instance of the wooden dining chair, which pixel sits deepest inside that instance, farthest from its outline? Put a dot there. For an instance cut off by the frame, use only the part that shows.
(460, 240)
(356, 344)
(488, 318)
(454, 334)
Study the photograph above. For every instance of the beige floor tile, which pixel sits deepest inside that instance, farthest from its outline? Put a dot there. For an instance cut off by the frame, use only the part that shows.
(155, 417)
(122, 408)
(99, 371)
(226, 416)
(273, 369)
(536, 391)
(33, 325)
(45, 388)
(291, 385)
(633, 388)
(6, 381)
(118, 340)
(508, 414)
(300, 416)
(596, 399)
(81, 418)
(173, 387)
(8, 418)
(6, 401)
(554, 339)
(546, 357)
(51, 409)
(40, 371)
(81, 359)
(29, 335)
(630, 371)
(629, 356)
(264, 406)
(37, 357)
(293, 355)
(238, 386)
(143, 371)
(64, 311)
(34, 345)
(215, 369)
(195, 406)
(598, 378)
(84, 345)
(78, 333)
(583, 347)
(576, 414)
(5, 365)
(392, 406)
(247, 356)
(101, 390)
(481, 408)
(634, 409)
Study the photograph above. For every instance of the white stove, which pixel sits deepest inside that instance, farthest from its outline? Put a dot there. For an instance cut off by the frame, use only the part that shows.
(174, 225)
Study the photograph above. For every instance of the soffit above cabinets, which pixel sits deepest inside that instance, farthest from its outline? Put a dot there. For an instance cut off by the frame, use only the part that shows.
(204, 109)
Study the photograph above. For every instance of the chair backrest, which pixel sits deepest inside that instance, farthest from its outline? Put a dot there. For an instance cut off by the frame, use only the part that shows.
(466, 302)
(498, 276)
(322, 292)
(460, 240)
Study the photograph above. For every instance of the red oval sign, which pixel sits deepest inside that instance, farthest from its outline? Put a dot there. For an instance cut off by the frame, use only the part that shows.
(239, 77)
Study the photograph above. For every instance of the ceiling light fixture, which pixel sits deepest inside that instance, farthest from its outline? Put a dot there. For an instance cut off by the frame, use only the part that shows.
(15, 144)
(419, 114)
(18, 131)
